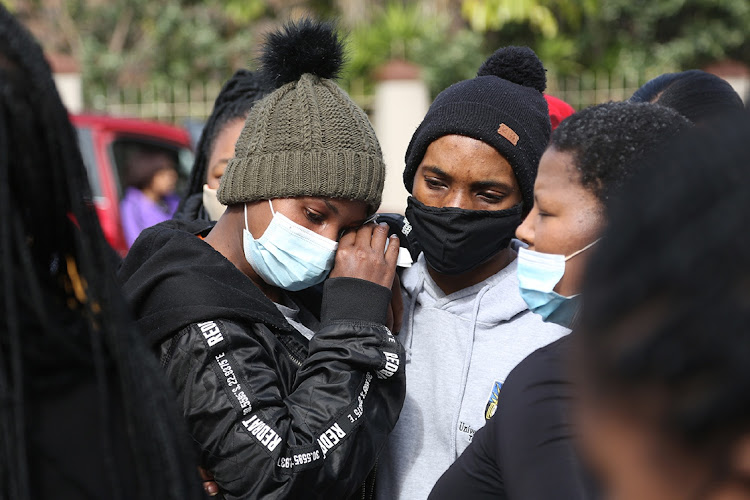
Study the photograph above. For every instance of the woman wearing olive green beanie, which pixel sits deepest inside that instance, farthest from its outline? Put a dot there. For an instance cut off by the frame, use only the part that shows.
(284, 400)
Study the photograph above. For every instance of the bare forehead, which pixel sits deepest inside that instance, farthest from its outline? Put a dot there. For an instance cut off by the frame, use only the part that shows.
(558, 184)
(557, 170)
(466, 158)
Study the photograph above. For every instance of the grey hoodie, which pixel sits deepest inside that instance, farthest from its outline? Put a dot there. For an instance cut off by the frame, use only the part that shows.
(459, 350)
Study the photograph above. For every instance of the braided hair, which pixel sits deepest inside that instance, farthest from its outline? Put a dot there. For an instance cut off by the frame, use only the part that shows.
(61, 311)
(237, 97)
(695, 94)
(667, 307)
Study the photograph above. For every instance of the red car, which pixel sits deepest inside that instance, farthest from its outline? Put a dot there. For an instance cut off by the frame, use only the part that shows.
(104, 143)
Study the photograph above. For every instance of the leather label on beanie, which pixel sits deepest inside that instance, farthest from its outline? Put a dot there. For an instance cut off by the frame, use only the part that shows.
(508, 133)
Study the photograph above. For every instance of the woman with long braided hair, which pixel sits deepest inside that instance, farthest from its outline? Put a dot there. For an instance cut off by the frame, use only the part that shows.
(216, 145)
(84, 412)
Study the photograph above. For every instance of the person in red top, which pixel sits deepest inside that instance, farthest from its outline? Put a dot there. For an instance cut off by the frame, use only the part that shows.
(558, 110)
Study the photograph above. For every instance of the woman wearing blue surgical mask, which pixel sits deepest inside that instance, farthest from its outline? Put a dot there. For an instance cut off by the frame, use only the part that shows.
(559, 232)
(285, 397)
(525, 450)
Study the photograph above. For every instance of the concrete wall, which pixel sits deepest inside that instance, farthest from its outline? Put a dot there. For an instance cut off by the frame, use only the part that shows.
(69, 87)
(741, 85)
(398, 110)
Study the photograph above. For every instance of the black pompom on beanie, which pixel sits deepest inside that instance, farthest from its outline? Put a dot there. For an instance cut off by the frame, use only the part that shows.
(503, 107)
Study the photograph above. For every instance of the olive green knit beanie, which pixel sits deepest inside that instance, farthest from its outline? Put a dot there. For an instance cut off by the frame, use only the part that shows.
(307, 138)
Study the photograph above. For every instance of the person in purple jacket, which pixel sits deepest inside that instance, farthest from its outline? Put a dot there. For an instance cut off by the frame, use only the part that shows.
(150, 197)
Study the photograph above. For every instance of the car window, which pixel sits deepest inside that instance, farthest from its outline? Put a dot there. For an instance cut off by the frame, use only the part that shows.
(86, 145)
(124, 148)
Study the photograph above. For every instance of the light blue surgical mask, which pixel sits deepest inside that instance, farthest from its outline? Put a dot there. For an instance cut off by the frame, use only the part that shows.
(288, 255)
(538, 274)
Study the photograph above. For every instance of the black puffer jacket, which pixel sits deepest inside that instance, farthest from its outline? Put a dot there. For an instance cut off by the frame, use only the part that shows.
(192, 208)
(274, 417)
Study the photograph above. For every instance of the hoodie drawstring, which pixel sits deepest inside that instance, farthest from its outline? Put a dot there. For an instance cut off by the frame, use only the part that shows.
(465, 372)
(412, 307)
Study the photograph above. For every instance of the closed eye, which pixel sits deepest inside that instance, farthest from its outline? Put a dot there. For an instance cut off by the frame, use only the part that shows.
(354, 227)
(434, 183)
(314, 217)
(491, 197)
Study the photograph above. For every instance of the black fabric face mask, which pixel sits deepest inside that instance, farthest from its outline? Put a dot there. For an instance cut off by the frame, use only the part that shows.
(455, 240)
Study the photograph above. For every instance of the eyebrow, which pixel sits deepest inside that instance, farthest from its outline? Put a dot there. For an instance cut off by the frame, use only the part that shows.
(331, 207)
(492, 184)
(475, 185)
(437, 171)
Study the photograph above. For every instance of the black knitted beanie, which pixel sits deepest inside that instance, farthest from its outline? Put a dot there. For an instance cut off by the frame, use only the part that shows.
(503, 107)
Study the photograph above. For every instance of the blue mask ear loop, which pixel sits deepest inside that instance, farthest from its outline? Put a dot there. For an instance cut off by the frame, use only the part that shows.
(272, 213)
(582, 249)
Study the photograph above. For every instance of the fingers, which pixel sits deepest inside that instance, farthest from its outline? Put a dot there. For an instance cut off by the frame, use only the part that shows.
(379, 235)
(348, 239)
(211, 488)
(391, 253)
(364, 236)
(209, 485)
(362, 255)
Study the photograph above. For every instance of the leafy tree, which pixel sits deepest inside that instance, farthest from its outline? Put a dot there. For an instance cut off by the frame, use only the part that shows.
(399, 31)
(130, 43)
(555, 29)
(484, 15)
(669, 34)
(642, 36)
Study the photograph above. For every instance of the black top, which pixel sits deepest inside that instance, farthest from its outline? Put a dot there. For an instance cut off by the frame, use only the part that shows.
(66, 416)
(172, 279)
(191, 208)
(273, 414)
(525, 451)
(65, 448)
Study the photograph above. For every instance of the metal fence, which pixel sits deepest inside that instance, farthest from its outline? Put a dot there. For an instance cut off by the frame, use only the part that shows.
(169, 103)
(179, 102)
(591, 88)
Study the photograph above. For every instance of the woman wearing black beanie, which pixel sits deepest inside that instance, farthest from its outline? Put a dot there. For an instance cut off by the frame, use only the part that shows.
(470, 168)
(695, 94)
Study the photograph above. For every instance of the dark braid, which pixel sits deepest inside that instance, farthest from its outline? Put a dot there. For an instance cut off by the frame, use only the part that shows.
(667, 307)
(56, 264)
(608, 141)
(237, 97)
